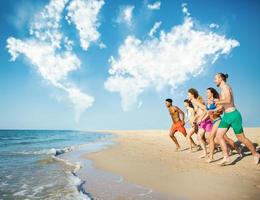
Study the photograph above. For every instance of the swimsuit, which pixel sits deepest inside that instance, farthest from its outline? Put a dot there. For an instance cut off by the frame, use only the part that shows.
(206, 124)
(213, 107)
(178, 126)
(232, 119)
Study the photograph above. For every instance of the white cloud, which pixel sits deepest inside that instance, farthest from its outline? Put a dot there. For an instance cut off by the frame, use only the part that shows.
(126, 15)
(154, 28)
(84, 14)
(155, 6)
(214, 25)
(46, 24)
(185, 10)
(51, 52)
(102, 45)
(52, 66)
(167, 60)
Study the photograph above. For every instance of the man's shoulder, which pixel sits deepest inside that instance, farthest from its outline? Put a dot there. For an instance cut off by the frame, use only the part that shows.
(227, 87)
(172, 108)
(175, 107)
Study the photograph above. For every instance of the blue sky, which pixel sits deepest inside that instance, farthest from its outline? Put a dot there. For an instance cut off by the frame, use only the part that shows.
(29, 100)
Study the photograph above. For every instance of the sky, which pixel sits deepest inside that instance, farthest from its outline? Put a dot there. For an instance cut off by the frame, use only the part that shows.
(97, 64)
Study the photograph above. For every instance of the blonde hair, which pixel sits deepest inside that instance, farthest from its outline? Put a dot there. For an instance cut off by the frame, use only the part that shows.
(200, 99)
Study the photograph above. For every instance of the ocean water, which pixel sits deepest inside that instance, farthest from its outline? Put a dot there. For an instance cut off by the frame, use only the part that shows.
(31, 166)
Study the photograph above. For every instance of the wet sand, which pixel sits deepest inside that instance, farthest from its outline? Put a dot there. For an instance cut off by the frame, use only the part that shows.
(148, 158)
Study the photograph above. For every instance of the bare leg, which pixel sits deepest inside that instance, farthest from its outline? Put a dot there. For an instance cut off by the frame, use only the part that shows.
(242, 138)
(221, 132)
(211, 141)
(233, 145)
(189, 137)
(174, 139)
(201, 134)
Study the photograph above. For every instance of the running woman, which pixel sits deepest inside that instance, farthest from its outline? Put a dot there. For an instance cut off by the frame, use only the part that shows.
(202, 118)
(190, 119)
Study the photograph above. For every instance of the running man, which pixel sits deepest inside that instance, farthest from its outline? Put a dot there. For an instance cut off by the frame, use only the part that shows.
(178, 123)
(231, 118)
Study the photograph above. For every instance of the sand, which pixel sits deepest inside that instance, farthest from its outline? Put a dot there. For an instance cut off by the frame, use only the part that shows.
(148, 158)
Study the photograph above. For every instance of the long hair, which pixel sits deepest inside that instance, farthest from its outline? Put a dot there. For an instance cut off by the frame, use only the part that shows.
(189, 103)
(214, 92)
(194, 92)
(200, 99)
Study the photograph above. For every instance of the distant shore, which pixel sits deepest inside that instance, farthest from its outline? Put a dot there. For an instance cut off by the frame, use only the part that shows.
(148, 158)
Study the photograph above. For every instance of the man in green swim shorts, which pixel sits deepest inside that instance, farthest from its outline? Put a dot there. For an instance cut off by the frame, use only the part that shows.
(231, 118)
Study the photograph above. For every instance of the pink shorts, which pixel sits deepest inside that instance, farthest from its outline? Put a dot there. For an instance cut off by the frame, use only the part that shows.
(206, 124)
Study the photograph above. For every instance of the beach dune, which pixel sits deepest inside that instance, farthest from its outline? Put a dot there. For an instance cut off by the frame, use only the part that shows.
(148, 158)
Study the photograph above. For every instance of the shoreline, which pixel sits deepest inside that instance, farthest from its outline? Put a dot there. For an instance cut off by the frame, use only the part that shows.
(147, 158)
(98, 184)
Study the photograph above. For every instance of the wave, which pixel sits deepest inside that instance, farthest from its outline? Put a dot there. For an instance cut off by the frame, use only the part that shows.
(28, 141)
(51, 151)
(77, 181)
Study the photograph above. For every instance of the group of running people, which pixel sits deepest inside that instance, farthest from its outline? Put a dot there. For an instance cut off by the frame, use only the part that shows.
(214, 116)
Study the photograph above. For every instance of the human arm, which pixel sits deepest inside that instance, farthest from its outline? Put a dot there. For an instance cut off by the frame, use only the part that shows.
(182, 114)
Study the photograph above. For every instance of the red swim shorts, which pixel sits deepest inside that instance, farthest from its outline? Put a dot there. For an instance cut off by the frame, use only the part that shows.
(178, 126)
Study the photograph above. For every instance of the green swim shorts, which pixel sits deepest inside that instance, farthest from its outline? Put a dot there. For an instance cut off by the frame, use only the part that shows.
(232, 119)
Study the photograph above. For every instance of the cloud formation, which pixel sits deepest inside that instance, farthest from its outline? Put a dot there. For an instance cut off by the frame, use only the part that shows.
(51, 52)
(155, 6)
(167, 60)
(154, 28)
(126, 15)
(84, 15)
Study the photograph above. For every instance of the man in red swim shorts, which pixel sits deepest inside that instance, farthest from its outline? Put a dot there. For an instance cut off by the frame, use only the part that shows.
(178, 124)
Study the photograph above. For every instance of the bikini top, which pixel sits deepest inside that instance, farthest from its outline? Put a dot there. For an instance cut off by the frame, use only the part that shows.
(211, 106)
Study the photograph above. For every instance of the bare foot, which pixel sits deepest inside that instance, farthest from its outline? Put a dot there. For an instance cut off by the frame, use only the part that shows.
(177, 149)
(224, 161)
(202, 156)
(210, 159)
(256, 159)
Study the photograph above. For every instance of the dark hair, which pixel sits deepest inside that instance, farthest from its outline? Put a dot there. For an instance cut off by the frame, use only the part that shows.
(194, 92)
(214, 92)
(169, 100)
(189, 103)
(223, 76)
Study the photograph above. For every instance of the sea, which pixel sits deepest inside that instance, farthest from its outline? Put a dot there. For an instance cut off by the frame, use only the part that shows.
(32, 166)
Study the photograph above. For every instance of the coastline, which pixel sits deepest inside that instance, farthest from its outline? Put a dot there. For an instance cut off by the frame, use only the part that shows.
(147, 158)
(96, 184)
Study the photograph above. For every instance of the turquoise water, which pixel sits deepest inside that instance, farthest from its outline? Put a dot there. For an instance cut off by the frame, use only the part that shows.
(29, 170)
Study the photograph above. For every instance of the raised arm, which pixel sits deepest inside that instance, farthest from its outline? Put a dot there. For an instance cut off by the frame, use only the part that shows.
(181, 113)
(203, 108)
(200, 105)
(218, 109)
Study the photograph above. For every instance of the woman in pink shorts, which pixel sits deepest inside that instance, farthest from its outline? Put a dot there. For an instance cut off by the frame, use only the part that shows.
(201, 118)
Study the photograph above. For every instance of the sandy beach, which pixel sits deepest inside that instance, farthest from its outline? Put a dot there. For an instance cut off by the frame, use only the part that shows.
(148, 158)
